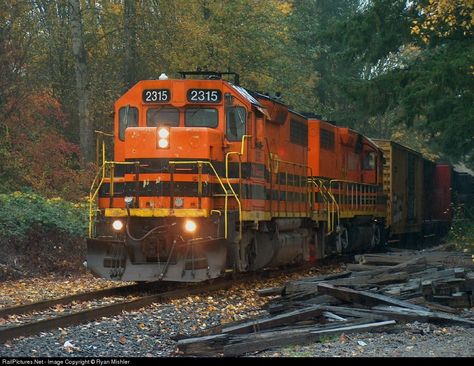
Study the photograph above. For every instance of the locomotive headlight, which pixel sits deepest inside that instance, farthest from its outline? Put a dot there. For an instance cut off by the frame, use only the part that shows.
(163, 137)
(117, 225)
(163, 133)
(190, 226)
(163, 143)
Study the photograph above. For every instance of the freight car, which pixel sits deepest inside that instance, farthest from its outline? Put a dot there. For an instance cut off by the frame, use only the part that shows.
(208, 177)
(418, 195)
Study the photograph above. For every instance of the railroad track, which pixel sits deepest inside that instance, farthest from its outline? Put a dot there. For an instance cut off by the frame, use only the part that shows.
(83, 316)
(79, 317)
(42, 305)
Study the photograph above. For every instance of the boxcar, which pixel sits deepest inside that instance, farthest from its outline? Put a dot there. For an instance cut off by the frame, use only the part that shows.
(403, 184)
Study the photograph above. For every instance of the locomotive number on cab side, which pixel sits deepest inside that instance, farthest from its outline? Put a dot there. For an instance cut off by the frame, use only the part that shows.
(204, 95)
(156, 95)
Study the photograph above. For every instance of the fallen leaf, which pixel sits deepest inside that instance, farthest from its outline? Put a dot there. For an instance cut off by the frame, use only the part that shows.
(122, 340)
(68, 344)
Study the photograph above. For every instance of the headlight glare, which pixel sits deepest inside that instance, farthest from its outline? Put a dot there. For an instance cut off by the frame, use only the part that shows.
(163, 133)
(163, 143)
(190, 226)
(117, 225)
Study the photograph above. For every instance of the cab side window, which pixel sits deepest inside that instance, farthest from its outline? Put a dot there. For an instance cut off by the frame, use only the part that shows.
(369, 161)
(236, 118)
(128, 117)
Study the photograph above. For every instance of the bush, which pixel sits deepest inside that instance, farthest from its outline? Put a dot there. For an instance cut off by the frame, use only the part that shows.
(20, 212)
(462, 229)
(40, 235)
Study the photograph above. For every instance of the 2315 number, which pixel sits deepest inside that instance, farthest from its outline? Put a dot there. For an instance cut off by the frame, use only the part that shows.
(156, 95)
(204, 96)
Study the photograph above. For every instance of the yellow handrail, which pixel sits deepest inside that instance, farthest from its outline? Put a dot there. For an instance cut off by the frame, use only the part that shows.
(333, 209)
(240, 179)
(371, 189)
(93, 193)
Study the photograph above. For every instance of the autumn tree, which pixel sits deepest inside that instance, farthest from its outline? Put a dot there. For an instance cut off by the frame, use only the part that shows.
(86, 133)
(130, 40)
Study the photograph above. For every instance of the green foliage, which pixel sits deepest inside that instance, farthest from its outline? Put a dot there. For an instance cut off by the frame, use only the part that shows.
(437, 94)
(21, 213)
(462, 229)
(379, 76)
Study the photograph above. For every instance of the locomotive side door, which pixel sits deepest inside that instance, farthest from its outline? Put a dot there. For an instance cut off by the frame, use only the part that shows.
(257, 160)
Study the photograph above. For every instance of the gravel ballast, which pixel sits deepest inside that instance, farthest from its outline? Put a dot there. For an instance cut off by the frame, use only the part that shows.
(149, 332)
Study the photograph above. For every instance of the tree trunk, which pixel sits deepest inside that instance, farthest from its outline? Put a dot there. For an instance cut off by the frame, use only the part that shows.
(130, 40)
(86, 134)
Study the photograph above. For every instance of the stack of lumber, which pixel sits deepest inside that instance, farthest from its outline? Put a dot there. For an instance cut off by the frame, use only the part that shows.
(375, 293)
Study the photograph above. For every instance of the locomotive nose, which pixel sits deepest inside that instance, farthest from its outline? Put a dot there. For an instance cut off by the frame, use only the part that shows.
(171, 142)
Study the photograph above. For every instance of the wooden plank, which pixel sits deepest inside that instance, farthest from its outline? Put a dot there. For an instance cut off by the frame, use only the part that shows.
(376, 259)
(447, 286)
(261, 341)
(454, 259)
(381, 279)
(410, 266)
(257, 325)
(363, 297)
(307, 283)
(310, 291)
(333, 316)
(214, 344)
(468, 284)
(433, 306)
(456, 300)
(399, 313)
(202, 346)
(271, 291)
(354, 312)
(355, 267)
(443, 274)
(297, 287)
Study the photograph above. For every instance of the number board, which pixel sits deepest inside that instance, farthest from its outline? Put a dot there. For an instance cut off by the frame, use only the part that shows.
(204, 95)
(156, 96)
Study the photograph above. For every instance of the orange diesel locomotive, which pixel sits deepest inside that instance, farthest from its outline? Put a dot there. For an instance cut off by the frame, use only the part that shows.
(208, 177)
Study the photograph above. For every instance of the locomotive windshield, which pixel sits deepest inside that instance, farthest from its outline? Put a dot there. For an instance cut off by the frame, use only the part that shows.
(201, 117)
(162, 116)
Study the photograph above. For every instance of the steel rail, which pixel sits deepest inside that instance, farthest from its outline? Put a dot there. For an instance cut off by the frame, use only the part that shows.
(28, 329)
(42, 305)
